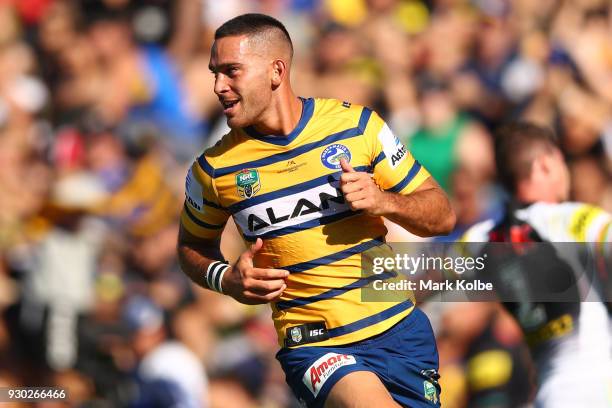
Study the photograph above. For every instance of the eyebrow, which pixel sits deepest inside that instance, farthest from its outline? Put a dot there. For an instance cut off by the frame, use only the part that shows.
(222, 66)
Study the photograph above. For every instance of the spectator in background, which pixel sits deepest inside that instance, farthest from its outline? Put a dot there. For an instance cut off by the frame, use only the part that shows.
(60, 268)
(447, 138)
(490, 347)
(143, 85)
(168, 373)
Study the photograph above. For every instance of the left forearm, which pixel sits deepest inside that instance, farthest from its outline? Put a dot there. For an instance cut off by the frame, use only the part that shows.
(424, 213)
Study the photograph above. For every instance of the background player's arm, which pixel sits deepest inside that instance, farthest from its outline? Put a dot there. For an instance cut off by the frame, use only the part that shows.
(426, 211)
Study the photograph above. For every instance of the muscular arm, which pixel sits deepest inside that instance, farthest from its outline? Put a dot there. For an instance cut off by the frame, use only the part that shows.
(195, 254)
(242, 281)
(424, 212)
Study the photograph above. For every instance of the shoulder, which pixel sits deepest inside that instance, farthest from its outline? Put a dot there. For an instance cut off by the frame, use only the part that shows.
(211, 158)
(570, 221)
(547, 210)
(334, 109)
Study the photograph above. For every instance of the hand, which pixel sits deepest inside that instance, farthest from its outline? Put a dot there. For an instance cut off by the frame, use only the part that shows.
(250, 285)
(360, 191)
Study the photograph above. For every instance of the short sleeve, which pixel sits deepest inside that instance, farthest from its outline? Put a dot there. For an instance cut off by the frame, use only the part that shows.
(202, 215)
(588, 223)
(394, 168)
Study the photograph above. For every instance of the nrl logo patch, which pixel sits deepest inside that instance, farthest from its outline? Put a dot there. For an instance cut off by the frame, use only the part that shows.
(296, 334)
(248, 183)
(430, 391)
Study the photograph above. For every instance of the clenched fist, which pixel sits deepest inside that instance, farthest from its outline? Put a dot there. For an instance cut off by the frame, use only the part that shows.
(360, 191)
(250, 285)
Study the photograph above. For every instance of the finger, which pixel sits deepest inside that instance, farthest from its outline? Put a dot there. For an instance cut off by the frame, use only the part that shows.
(346, 166)
(356, 196)
(350, 188)
(254, 248)
(264, 274)
(270, 297)
(263, 287)
(358, 205)
(350, 177)
(255, 297)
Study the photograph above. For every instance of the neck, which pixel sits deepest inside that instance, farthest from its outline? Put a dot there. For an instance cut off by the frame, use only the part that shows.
(282, 116)
(532, 194)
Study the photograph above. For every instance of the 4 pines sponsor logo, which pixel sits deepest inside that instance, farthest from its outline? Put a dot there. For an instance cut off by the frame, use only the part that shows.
(322, 369)
(247, 182)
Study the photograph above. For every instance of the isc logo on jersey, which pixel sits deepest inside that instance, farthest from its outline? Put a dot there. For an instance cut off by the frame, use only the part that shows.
(319, 372)
(394, 150)
(193, 192)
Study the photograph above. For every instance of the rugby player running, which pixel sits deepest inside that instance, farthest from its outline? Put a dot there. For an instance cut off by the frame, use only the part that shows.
(307, 181)
(569, 338)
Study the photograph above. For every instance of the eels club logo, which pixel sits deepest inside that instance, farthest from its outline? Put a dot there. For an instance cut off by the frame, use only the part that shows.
(330, 157)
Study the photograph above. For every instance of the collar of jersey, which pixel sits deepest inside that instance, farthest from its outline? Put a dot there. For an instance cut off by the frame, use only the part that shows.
(307, 111)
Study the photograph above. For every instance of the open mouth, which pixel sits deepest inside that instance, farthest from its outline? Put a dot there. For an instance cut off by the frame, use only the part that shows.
(229, 105)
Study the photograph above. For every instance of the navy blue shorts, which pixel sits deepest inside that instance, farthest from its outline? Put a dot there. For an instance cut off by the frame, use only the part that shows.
(405, 358)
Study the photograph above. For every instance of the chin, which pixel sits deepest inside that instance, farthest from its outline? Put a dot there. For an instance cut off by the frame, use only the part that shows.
(235, 122)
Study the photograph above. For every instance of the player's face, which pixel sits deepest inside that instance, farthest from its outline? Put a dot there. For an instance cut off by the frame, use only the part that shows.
(242, 80)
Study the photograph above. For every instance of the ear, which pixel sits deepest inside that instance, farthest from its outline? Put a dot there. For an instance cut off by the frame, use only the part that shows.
(544, 164)
(279, 71)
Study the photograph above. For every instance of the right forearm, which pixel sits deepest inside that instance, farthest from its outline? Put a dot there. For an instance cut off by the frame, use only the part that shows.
(242, 281)
(194, 261)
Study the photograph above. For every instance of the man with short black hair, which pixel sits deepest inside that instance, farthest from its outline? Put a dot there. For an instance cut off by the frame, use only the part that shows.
(307, 181)
(521, 146)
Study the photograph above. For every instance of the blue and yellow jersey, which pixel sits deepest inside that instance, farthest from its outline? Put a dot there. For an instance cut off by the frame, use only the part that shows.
(286, 191)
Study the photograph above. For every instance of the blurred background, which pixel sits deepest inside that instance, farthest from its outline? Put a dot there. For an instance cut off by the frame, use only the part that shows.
(105, 103)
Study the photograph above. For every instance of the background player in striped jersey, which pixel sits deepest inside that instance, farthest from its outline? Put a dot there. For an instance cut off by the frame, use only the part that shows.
(307, 181)
(567, 338)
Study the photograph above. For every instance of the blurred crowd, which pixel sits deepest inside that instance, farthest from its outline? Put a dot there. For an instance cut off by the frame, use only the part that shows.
(105, 103)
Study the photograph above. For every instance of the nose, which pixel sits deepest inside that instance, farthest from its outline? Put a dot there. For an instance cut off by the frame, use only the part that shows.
(221, 84)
